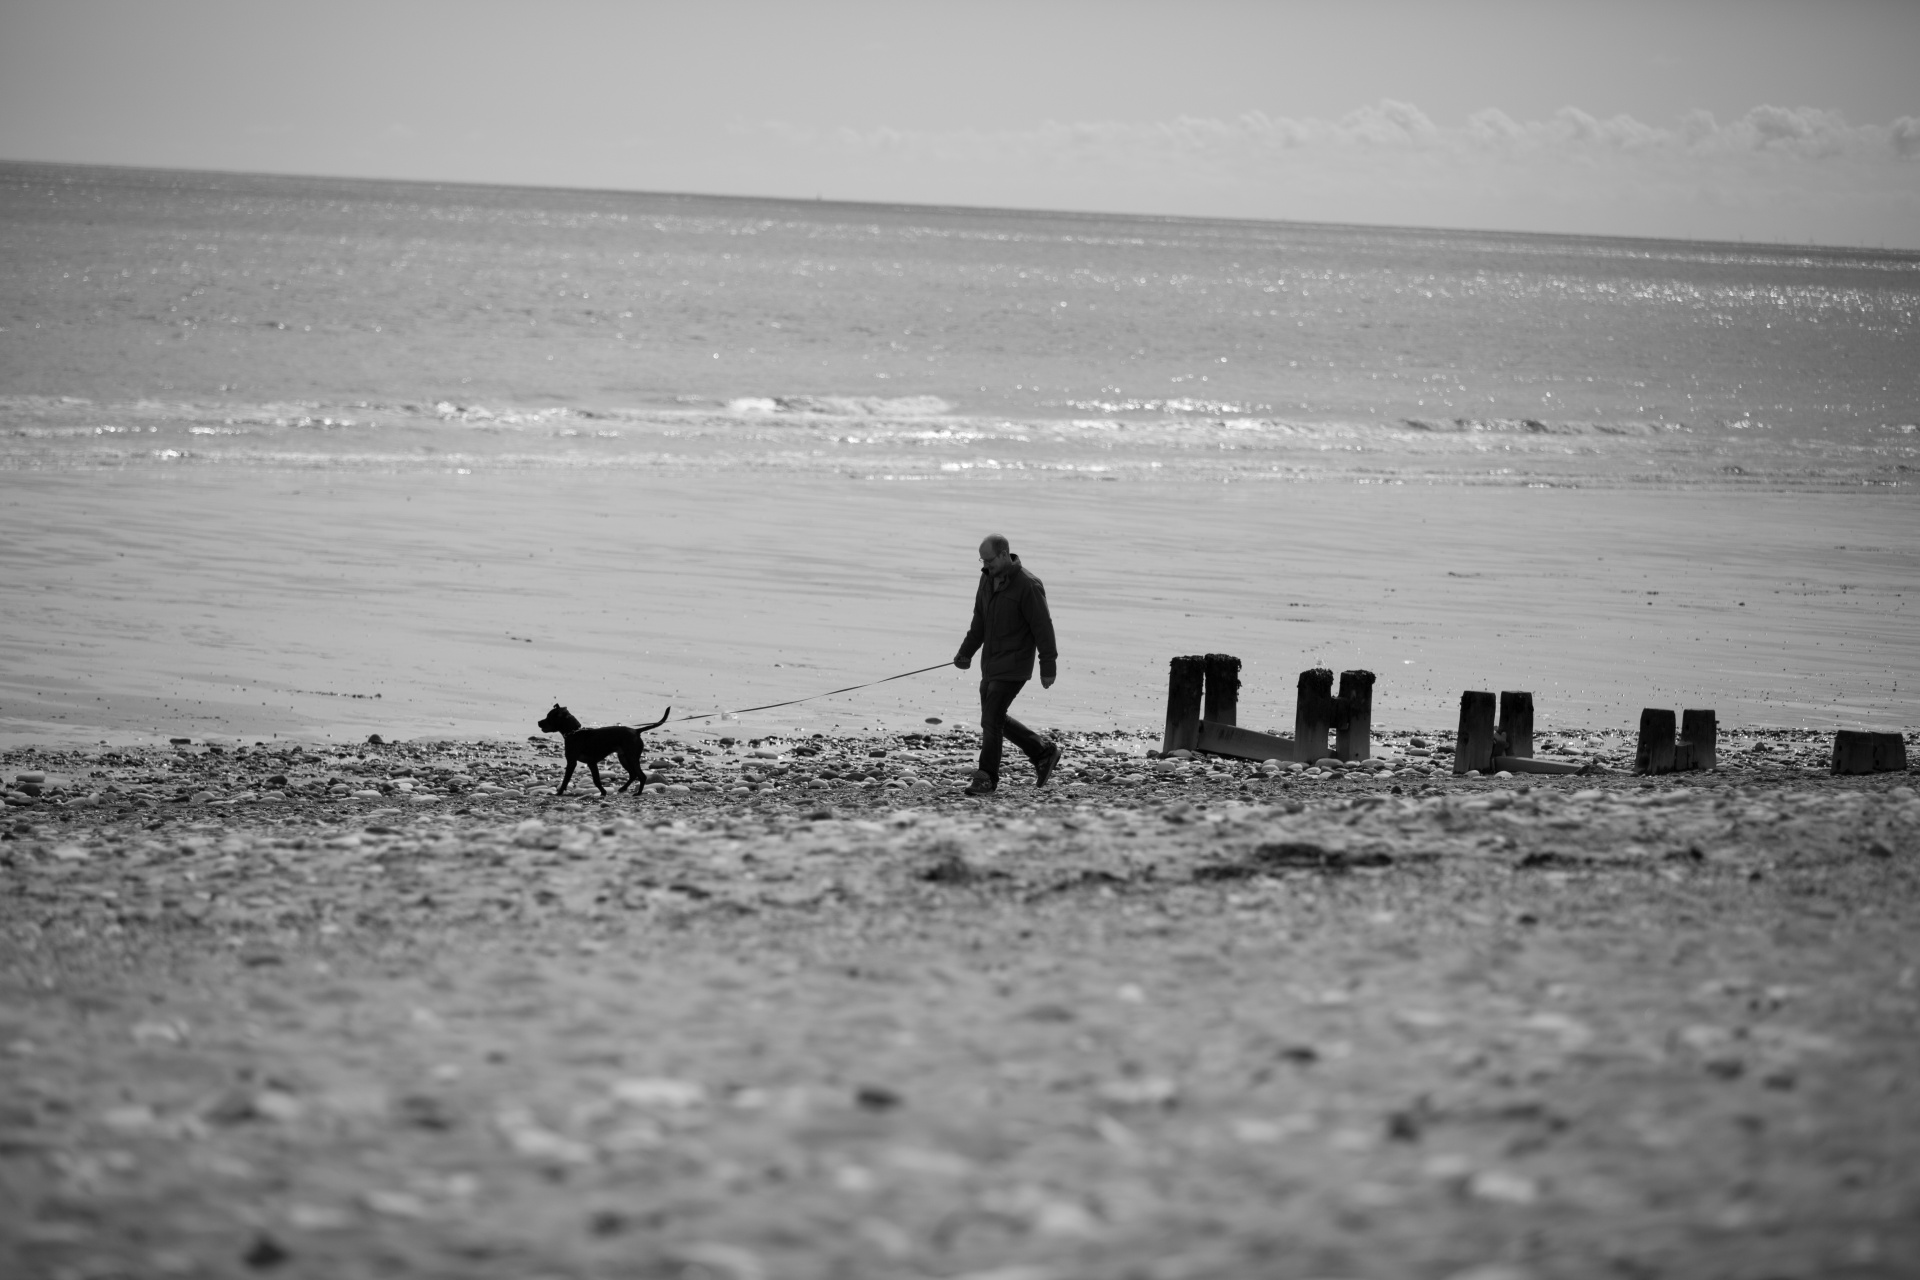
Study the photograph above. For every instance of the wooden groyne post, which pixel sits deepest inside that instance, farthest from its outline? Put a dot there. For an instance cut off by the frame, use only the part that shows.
(1669, 746)
(1473, 743)
(1353, 716)
(1223, 689)
(1313, 715)
(1203, 710)
(1515, 734)
(1185, 679)
(1699, 745)
(1653, 750)
(1858, 751)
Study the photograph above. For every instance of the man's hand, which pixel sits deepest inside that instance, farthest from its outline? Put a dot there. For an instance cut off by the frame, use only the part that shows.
(962, 661)
(1046, 682)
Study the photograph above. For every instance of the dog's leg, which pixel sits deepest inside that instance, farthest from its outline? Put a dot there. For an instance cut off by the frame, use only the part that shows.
(593, 767)
(566, 777)
(630, 761)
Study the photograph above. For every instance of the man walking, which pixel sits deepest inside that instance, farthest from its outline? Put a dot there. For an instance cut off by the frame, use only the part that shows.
(1010, 619)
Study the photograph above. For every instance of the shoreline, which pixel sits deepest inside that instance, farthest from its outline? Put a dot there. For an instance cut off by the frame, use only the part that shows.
(725, 778)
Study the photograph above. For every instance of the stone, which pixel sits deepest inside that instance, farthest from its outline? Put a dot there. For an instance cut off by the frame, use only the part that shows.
(265, 1252)
(1503, 1187)
(1141, 1091)
(318, 1217)
(659, 1092)
(394, 1204)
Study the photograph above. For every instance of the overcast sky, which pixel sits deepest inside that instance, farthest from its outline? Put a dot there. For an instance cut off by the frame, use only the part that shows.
(1700, 118)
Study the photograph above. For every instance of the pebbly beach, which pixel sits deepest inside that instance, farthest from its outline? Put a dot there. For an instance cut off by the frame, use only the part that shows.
(803, 1009)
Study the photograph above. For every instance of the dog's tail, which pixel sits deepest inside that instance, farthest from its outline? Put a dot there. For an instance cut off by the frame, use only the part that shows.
(656, 724)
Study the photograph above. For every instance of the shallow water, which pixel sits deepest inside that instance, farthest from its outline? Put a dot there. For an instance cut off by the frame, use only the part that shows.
(269, 443)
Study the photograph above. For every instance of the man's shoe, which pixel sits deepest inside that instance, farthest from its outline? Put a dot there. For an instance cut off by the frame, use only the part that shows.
(982, 784)
(1043, 767)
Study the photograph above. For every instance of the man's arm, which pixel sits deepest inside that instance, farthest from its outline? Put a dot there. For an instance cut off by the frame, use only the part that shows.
(976, 634)
(1040, 623)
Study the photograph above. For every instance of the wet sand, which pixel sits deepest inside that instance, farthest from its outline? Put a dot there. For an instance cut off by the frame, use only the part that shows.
(150, 603)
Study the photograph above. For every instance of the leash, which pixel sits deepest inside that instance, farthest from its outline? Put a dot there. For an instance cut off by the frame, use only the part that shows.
(810, 697)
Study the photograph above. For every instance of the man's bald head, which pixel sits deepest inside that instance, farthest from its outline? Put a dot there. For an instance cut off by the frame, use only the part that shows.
(995, 555)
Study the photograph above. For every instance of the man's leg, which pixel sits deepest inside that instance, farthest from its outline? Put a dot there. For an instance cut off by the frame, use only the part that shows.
(995, 697)
(1030, 743)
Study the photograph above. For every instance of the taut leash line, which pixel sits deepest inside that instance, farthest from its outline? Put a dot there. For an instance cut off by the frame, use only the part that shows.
(810, 697)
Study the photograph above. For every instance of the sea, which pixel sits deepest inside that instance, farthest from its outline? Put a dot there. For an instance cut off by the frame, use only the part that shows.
(618, 383)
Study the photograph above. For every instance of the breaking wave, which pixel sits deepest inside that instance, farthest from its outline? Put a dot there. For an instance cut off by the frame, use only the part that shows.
(841, 406)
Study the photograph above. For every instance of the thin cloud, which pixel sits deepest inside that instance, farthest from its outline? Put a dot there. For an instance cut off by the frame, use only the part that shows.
(1789, 173)
(1802, 132)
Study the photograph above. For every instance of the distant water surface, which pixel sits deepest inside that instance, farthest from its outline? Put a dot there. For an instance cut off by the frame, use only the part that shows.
(157, 318)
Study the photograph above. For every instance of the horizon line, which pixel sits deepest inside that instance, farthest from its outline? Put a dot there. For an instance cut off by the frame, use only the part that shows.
(1000, 210)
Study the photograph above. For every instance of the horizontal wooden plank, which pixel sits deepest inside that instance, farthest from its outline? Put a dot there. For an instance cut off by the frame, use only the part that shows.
(1540, 764)
(1243, 744)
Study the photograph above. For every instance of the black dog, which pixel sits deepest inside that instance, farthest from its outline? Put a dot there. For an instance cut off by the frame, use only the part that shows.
(595, 745)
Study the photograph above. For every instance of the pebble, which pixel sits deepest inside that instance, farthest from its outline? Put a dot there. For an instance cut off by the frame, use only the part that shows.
(130, 1118)
(394, 1204)
(1503, 1187)
(724, 1261)
(159, 1031)
(659, 1092)
(318, 1217)
(1492, 1271)
(529, 1138)
(1143, 1091)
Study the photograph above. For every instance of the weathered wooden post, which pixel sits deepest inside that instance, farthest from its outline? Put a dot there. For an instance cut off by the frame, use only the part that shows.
(1353, 716)
(1699, 745)
(1858, 751)
(1313, 715)
(1516, 723)
(1852, 751)
(1889, 752)
(1473, 746)
(1184, 679)
(1223, 689)
(1653, 753)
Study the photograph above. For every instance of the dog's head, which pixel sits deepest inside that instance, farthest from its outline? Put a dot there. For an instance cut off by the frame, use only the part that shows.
(559, 720)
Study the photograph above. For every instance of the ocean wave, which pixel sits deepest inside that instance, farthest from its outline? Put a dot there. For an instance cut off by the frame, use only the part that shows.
(841, 406)
(1176, 404)
(480, 415)
(1535, 426)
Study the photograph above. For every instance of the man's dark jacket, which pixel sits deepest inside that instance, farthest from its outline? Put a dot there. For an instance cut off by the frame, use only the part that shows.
(1010, 618)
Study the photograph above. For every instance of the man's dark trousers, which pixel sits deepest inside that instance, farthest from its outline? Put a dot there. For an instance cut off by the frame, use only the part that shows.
(995, 697)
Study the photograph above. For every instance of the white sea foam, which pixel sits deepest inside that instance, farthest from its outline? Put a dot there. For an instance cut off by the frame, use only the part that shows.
(829, 406)
(898, 438)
